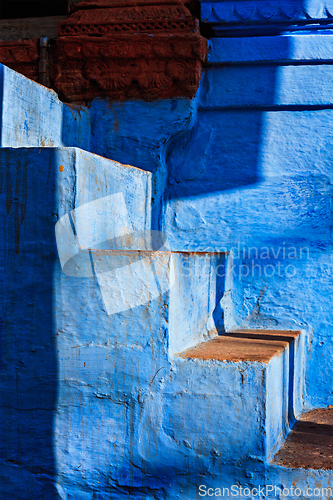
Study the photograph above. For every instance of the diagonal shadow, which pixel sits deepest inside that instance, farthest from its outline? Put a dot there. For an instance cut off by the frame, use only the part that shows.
(28, 355)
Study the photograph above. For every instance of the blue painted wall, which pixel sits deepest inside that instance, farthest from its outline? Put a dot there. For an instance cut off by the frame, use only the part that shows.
(94, 402)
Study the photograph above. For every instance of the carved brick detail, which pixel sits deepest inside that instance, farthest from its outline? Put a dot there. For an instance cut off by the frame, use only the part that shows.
(144, 50)
(22, 56)
(120, 20)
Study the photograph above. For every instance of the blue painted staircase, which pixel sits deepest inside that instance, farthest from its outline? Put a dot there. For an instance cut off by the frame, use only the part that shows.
(117, 378)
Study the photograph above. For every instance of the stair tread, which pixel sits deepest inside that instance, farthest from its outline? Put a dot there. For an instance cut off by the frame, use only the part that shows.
(310, 443)
(243, 345)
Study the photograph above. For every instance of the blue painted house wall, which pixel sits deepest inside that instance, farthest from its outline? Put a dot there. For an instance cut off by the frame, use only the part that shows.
(236, 187)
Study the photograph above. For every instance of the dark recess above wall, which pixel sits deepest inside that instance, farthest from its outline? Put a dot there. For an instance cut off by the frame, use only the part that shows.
(10, 9)
(31, 27)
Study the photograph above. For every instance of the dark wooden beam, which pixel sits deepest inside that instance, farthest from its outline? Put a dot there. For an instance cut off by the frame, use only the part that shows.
(32, 27)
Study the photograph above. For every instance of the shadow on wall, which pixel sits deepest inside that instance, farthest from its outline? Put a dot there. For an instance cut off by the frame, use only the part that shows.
(28, 357)
(223, 149)
(221, 152)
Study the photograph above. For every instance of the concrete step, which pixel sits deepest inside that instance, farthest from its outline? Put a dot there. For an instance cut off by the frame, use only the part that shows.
(244, 345)
(32, 115)
(57, 306)
(97, 316)
(97, 198)
(246, 388)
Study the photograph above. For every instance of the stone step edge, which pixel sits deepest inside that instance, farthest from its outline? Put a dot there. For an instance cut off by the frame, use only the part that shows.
(242, 345)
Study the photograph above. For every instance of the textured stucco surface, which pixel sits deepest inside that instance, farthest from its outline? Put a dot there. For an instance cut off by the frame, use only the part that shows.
(95, 402)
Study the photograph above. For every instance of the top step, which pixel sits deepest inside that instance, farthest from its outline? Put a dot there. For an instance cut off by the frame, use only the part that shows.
(32, 115)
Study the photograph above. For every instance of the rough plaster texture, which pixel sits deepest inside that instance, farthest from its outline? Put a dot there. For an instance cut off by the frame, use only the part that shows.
(25, 121)
(95, 404)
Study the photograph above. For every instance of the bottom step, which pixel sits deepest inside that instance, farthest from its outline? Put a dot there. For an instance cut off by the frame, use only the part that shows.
(243, 345)
(310, 444)
(245, 387)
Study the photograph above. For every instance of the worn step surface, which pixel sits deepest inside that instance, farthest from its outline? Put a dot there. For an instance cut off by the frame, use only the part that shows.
(243, 345)
(310, 444)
